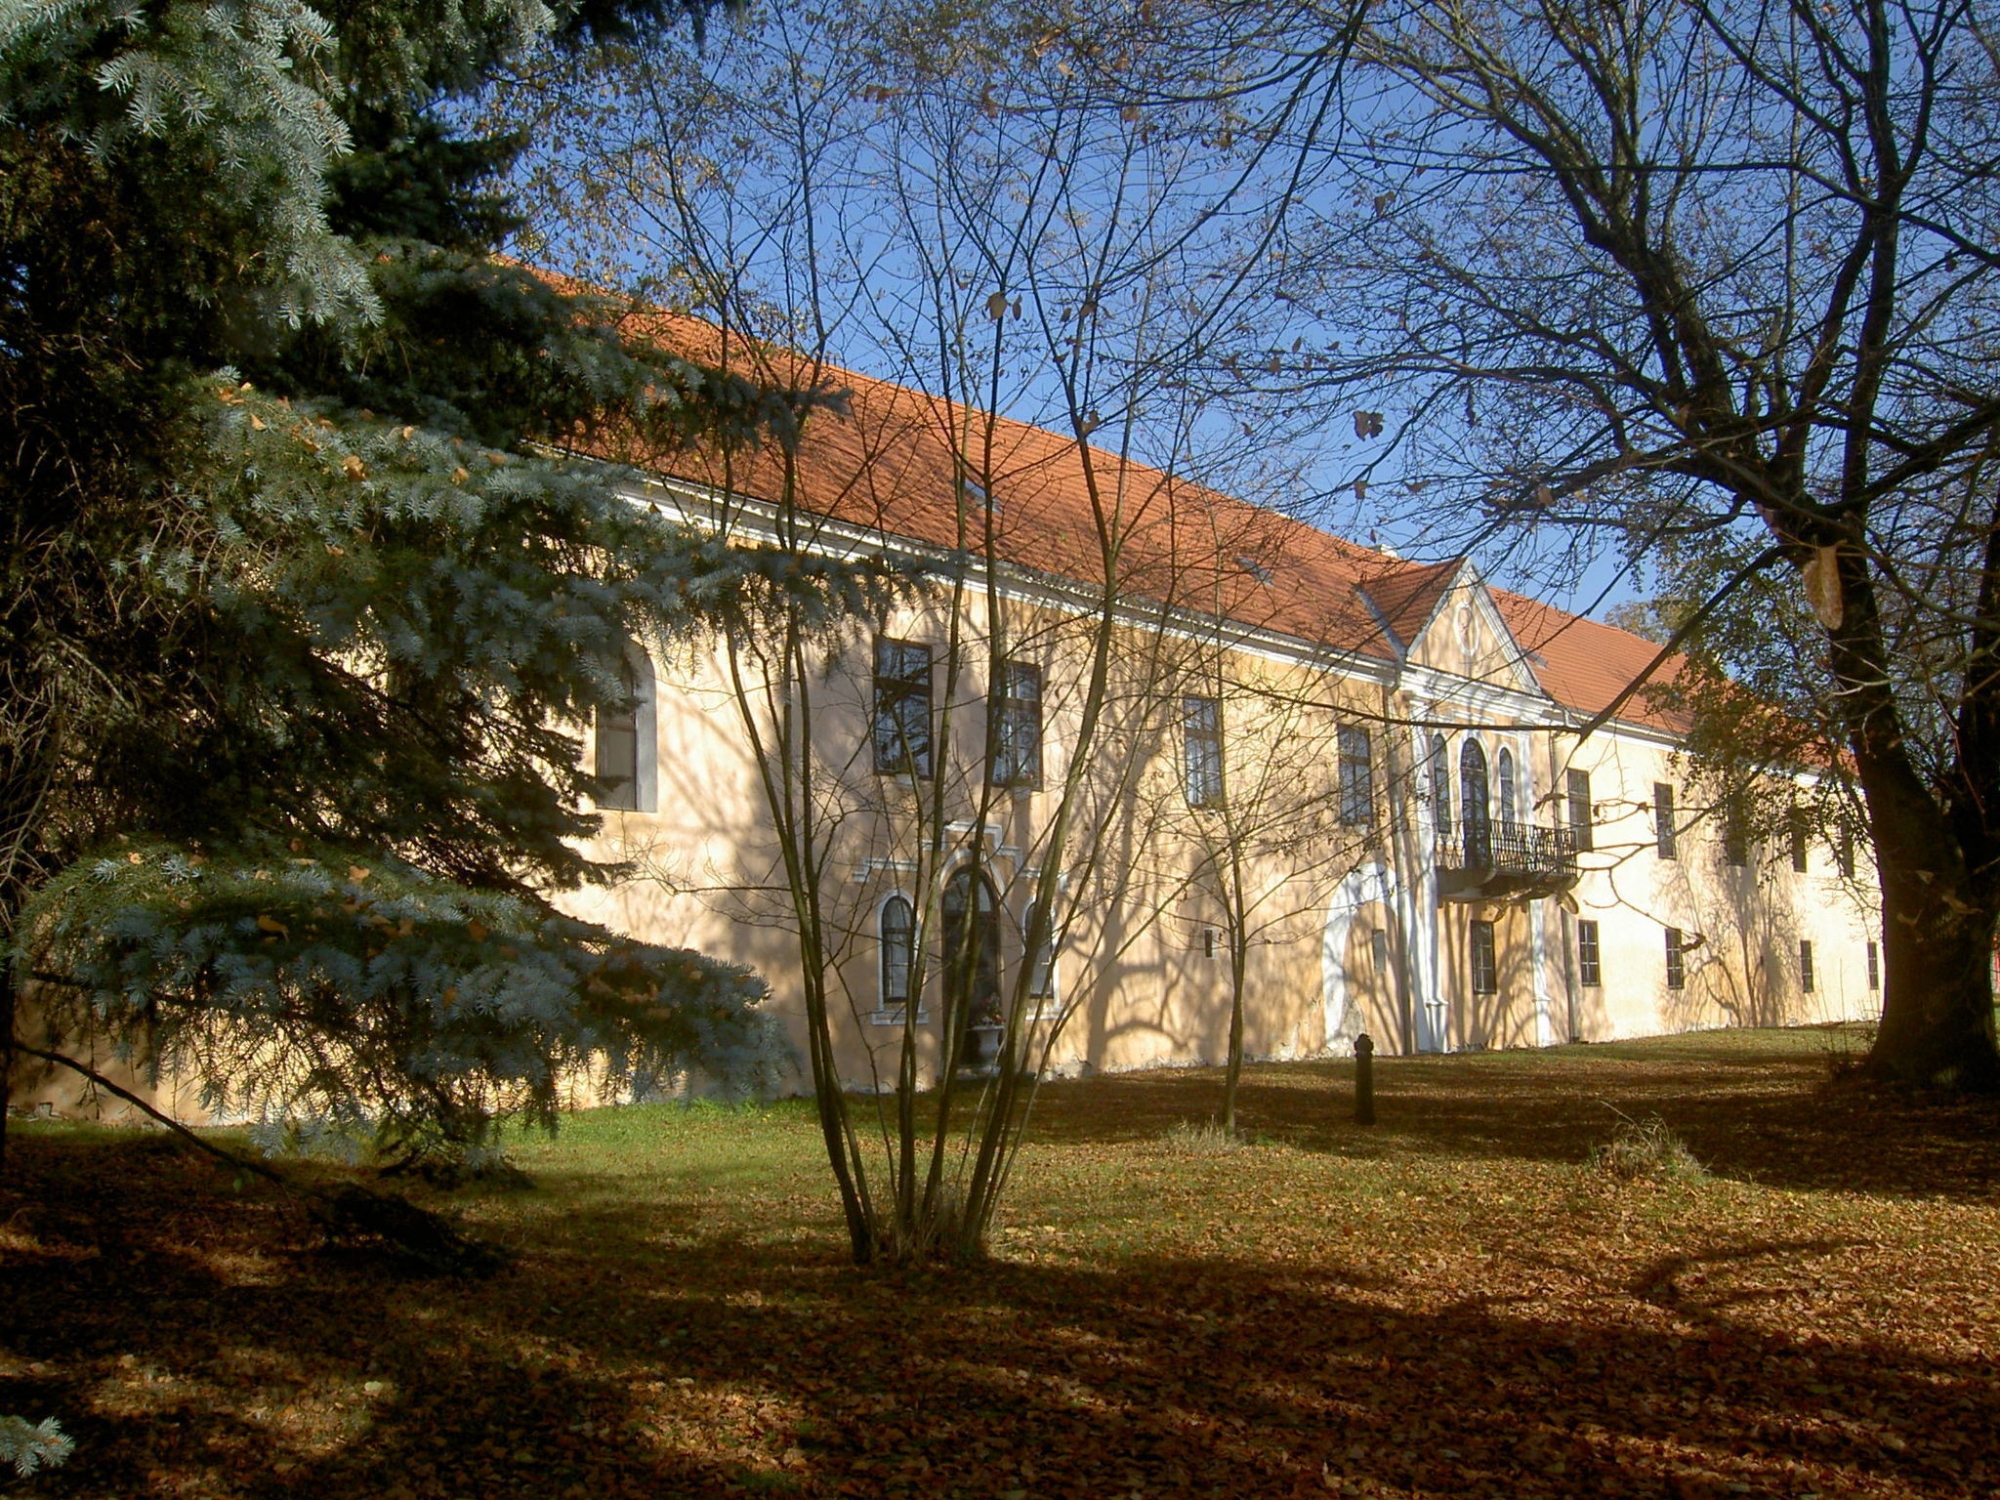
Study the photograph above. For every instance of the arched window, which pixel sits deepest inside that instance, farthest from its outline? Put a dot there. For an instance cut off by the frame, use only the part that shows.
(627, 746)
(899, 937)
(1473, 807)
(1440, 784)
(1507, 799)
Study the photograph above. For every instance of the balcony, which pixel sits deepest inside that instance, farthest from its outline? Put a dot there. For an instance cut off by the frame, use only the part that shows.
(1504, 862)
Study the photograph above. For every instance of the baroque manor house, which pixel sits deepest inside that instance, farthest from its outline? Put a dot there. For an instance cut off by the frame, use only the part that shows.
(1219, 746)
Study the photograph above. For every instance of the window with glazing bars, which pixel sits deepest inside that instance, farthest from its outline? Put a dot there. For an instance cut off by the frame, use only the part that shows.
(1801, 838)
(1735, 836)
(1874, 967)
(1576, 785)
(1676, 965)
(1040, 941)
(1357, 777)
(1440, 784)
(1485, 960)
(1017, 726)
(902, 727)
(1805, 966)
(1201, 751)
(1589, 965)
(1663, 820)
(617, 764)
(898, 950)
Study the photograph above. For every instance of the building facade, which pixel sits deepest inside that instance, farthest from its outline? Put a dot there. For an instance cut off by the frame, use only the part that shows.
(1139, 751)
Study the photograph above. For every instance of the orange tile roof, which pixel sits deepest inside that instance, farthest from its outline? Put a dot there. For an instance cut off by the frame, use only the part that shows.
(1407, 599)
(890, 463)
(1585, 664)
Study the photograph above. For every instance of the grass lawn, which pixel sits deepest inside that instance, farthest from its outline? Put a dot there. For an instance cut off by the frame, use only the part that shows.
(1452, 1302)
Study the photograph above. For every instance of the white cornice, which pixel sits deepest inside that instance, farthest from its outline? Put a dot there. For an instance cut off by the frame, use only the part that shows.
(699, 504)
(1488, 703)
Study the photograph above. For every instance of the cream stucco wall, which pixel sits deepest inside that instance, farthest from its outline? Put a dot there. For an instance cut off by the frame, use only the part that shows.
(1347, 931)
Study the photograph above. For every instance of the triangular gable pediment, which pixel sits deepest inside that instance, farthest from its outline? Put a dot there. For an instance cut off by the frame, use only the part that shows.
(1465, 636)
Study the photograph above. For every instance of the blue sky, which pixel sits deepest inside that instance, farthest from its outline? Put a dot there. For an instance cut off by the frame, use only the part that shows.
(780, 179)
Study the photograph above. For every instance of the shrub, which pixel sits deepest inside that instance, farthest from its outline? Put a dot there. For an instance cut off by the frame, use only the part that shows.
(1646, 1150)
(1846, 1049)
(1205, 1139)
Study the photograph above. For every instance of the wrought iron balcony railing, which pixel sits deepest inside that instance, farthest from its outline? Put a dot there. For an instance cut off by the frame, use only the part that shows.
(1494, 859)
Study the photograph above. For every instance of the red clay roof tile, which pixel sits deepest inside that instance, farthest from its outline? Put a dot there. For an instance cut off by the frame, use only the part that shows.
(1061, 506)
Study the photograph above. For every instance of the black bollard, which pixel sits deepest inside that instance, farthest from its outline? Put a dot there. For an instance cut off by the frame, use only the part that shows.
(1364, 1080)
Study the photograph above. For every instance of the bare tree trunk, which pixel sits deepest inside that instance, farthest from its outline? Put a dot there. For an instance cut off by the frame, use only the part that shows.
(1939, 906)
(8, 1008)
(1238, 964)
(1939, 913)
(1937, 1010)
(29, 753)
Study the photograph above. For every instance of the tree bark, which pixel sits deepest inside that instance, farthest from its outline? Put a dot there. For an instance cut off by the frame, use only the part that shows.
(29, 758)
(1937, 1006)
(1238, 966)
(9, 1005)
(1939, 894)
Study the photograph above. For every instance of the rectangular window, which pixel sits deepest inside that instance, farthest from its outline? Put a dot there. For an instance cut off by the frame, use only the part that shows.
(902, 707)
(1589, 966)
(1676, 969)
(1041, 944)
(1577, 785)
(1843, 854)
(1208, 942)
(1485, 961)
(1663, 819)
(618, 747)
(1874, 967)
(1801, 838)
(1735, 835)
(1805, 967)
(1357, 777)
(1016, 716)
(898, 948)
(1201, 751)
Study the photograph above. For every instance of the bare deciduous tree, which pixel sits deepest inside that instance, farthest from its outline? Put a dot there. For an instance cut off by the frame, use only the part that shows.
(966, 205)
(1720, 275)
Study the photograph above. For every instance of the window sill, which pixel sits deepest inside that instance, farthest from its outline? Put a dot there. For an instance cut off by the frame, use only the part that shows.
(897, 1016)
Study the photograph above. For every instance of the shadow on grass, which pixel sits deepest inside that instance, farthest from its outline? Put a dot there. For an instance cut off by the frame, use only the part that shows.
(1777, 1116)
(183, 1332)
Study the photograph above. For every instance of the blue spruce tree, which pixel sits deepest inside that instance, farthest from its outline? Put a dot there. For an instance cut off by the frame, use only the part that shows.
(302, 602)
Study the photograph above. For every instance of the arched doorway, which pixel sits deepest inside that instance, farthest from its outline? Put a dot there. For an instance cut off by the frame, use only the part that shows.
(1476, 816)
(971, 919)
